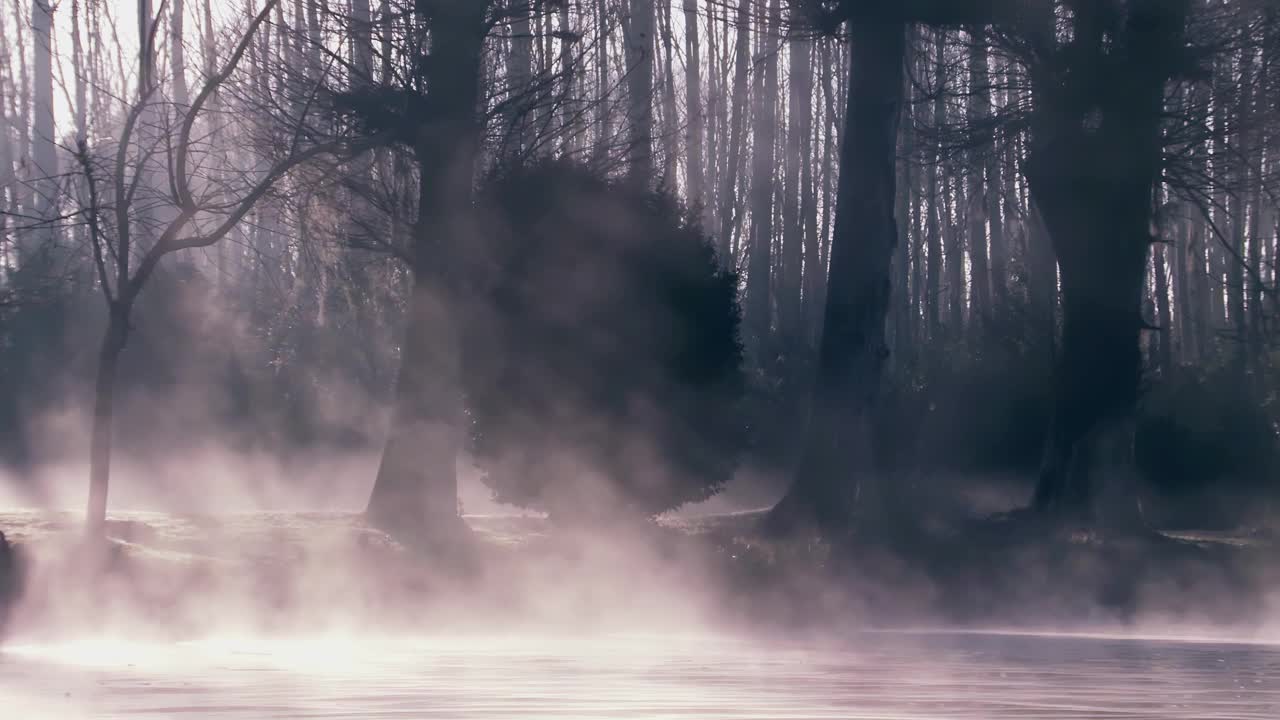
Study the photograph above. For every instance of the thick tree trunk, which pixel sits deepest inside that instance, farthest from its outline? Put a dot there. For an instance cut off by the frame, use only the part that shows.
(416, 490)
(836, 479)
(113, 342)
(1100, 234)
(1094, 185)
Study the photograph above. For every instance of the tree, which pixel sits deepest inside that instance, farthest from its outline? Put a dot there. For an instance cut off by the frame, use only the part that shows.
(834, 481)
(638, 35)
(1094, 164)
(33, 256)
(195, 216)
(602, 363)
(415, 493)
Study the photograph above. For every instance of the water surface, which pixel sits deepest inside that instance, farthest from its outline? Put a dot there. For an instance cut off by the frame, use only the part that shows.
(871, 675)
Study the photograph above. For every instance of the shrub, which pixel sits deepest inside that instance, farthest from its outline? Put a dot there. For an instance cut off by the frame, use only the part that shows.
(602, 363)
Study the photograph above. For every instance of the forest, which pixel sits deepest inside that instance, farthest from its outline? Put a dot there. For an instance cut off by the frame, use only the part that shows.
(868, 263)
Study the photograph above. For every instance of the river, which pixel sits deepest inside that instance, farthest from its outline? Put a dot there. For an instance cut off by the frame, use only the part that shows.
(889, 675)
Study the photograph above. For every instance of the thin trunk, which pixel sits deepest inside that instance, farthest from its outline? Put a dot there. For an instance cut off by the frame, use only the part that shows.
(800, 119)
(638, 33)
(387, 18)
(979, 161)
(999, 253)
(44, 136)
(953, 253)
(79, 67)
(361, 42)
(694, 112)
(177, 53)
(737, 108)
(937, 218)
(519, 73)
(902, 325)
(813, 269)
(757, 309)
(1183, 300)
(670, 123)
(603, 124)
(1163, 314)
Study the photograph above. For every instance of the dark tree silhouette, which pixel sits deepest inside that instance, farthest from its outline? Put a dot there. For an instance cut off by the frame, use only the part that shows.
(602, 363)
(837, 467)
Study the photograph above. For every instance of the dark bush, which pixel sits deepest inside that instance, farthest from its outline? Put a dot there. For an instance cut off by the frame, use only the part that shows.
(1207, 449)
(602, 361)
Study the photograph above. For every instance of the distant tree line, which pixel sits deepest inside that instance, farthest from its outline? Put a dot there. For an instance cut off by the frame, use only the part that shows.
(1043, 227)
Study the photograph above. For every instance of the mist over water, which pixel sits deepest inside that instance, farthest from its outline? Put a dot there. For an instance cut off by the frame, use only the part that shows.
(881, 675)
(301, 621)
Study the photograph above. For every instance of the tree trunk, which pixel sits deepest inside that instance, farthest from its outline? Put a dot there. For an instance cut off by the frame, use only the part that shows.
(693, 110)
(813, 267)
(113, 342)
(757, 311)
(790, 286)
(903, 209)
(737, 106)
(44, 138)
(937, 220)
(1163, 316)
(361, 42)
(979, 161)
(1182, 298)
(177, 54)
(519, 68)
(78, 60)
(638, 34)
(817, 306)
(996, 226)
(670, 136)
(836, 479)
(416, 490)
(1094, 184)
(604, 129)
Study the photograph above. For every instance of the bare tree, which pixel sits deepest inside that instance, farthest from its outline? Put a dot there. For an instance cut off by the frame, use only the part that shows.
(196, 215)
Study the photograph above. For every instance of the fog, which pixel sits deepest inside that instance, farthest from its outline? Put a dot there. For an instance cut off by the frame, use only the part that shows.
(602, 359)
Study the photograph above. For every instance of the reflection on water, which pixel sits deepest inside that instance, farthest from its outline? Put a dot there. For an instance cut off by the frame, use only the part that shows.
(881, 675)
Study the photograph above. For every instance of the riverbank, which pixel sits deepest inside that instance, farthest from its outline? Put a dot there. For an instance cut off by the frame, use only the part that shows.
(183, 575)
